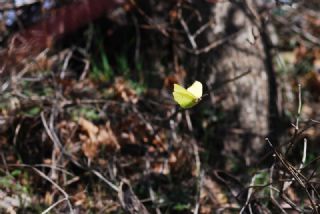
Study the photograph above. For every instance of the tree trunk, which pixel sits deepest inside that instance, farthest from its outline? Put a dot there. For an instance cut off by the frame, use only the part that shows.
(240, 80)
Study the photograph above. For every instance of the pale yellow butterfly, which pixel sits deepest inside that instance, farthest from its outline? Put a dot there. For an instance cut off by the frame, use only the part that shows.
(189, 97)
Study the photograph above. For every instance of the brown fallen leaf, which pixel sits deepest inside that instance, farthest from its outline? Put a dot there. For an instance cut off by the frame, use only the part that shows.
(129, 137)
(80, 198)
(89, 147)
(89, 127)
(95, 136)
(48, 198)
(124, 91)
(108, 138)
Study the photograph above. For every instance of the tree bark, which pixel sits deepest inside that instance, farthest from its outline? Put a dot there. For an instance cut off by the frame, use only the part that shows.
(246, 106)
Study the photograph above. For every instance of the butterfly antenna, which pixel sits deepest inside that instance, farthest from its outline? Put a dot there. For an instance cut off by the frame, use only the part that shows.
(205, 95)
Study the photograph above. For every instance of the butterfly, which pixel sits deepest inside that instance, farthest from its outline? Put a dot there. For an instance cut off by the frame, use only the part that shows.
(189, 97)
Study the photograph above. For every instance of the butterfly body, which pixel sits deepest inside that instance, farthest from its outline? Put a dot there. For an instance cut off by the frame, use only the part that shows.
(189, 97)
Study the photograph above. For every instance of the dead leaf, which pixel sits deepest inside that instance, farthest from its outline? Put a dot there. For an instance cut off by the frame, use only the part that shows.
(97, 136)
(124, 91)
(89, 147)
(108, 138)
(129, 137)
(89, 127)
(48, 198)
(292, 194)
(172, 158)
(206, 209)
(90, 150)
(79, 198)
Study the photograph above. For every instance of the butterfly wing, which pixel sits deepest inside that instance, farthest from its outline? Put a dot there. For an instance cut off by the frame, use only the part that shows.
(184, 100)
(179, 88)
(183, 97)
(196, 89)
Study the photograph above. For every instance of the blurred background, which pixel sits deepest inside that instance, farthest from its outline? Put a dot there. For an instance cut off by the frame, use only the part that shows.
(88, 123)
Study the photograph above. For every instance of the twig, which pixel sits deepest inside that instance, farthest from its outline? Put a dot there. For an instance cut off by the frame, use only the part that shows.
(287, 184)
(138, 41)
(231, 80)
(291, 204)
(98, 174)
(65, 64)
(186, 29)
(151, 192)
(57, 142)
(273, 200)
(250, 192)
(296, 126)
(149, 20)
(203, 28)
(209, 47)
(66, 196)
(200, 176)
(16, 133)
(53, 205)
(188, 119)
(199, 185)
(295, 173)
(293, 138)
(168, 119)
(299, 107)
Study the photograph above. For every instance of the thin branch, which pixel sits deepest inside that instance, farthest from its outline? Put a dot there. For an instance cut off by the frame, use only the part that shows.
(296, 126)
(66, 196)
(208, 48)
(189, 35)
(98, 174)
(295, 173)
(53, 205)
(250, 192)
(287, 184)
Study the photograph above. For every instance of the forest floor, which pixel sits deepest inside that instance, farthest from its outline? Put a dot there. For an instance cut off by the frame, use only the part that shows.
(79, 133)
